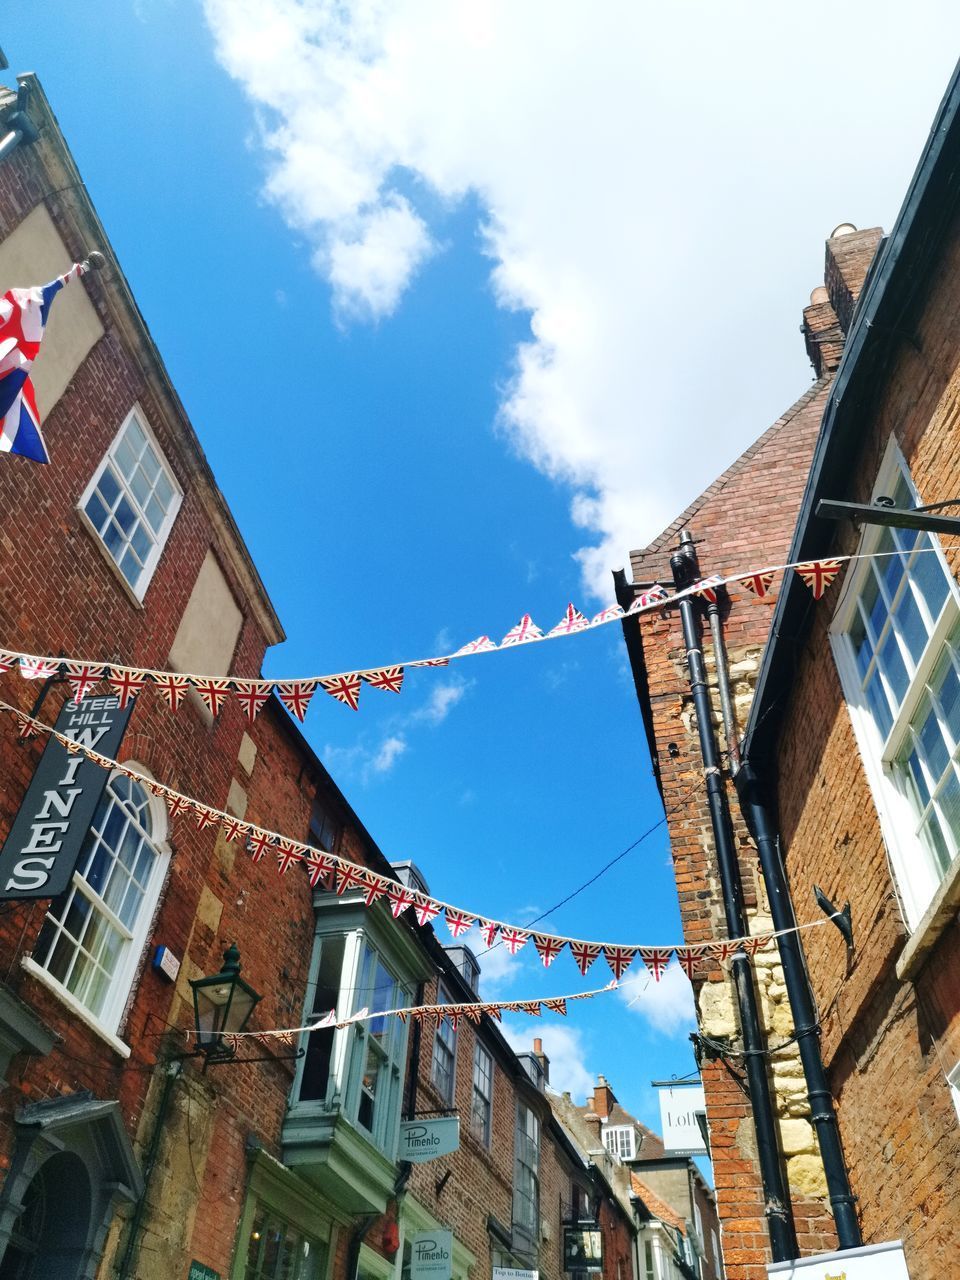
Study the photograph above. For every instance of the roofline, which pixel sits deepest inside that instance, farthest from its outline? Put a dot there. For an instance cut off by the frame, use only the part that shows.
(74, 201)
(895, 280)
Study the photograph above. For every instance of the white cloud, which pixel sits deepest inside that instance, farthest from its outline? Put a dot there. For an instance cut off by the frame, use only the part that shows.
(668, 1005)
(443, 698)
(655, 195)
(563, 1045)
(389, 752)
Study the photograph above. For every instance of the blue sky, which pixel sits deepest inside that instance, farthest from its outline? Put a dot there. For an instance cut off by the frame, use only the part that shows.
(443, 326)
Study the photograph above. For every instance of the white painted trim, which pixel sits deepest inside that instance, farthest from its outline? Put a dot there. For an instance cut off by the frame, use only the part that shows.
(73, 1004)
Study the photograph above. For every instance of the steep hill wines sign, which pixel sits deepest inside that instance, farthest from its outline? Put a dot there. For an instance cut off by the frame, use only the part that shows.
(40, 853)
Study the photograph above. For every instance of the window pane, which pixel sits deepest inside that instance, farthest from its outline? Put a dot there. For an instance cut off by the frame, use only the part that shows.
(150, 463)
(893, 668)
(114, 540)
(140, 486)
(862, 648)
(108, 487)
(948, 695)
(134, 437)
(948, 803)
(930, 578)
(878, 706)
(163, 491)
(154, 514)
(890, 566)
(124, 516)
(130, 567)
(124, 457)
(96, 512)
(931, 741)
(912, 627)
(316, 1067)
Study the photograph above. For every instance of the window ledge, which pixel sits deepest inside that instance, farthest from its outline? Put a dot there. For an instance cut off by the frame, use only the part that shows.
(941, 911)
(73, 1004)
(87, 524)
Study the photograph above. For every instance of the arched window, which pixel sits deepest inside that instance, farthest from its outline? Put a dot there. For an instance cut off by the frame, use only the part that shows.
(94, 933)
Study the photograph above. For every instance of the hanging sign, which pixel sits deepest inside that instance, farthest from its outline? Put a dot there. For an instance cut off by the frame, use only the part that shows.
(869, 1262)
(431, 1255)
(199, 1271)
(40, 853)
(423, 1140)
(679, 1106)
(582, 1248)
(514, 1273)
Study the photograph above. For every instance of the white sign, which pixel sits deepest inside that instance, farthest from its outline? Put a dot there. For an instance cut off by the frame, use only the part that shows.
(512, 1273)
(871, 1262)
(431, 1255)
(679, 1105)
(422, 1140)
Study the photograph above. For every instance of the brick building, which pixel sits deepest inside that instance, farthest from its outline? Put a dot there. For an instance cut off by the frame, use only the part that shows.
(843, 711)
(121, 1155)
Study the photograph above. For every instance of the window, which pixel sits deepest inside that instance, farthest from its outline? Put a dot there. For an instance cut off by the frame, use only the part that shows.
(324, 829)
(93, 935)
(277, 1250)
(132, 502)
(358, 1069)
(619, 1141)
(481, 1113)
(526, 1178)
(896, 638)
(443, 1073)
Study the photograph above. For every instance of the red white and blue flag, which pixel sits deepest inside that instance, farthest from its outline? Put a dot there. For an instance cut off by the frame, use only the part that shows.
(23, 318)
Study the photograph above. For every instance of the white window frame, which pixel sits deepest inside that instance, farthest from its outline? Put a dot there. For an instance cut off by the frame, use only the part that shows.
(137, 589)
(486, 1137)
(526, 1144)
(613, 1135)
(445, 1040)
(109, 1018)
(915, 879)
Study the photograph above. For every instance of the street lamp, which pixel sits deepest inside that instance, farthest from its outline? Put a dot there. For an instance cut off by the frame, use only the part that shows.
(222, 1005)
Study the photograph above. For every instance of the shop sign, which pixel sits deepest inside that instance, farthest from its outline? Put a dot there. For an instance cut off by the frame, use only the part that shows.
(431, 1255)
(679, 1105)
(514, 1273)
(200, 1272)
(582, 1249)
(423, 1140)
(869, 1262)
(40, 853)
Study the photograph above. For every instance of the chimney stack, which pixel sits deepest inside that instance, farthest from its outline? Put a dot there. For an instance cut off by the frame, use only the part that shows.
(542, 1058)
(827, 318)
(602, 1101)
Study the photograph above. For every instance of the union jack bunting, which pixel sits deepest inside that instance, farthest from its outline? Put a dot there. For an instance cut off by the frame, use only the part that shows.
(376, 888)
(440, 1012)
(473, 1012)
(454, 1014)
(73, 748)
(213, 690)
(178, 804)
(319, 865)
(296, 694)
(82, 677)
(548, 948)
(494, 1011)
(585, 953)
(402, 1015)
(233, 829)
(258, 843)
(532, 1007)
(350, 877)
(689, 959)
(288, 852)
(525, 630)
(656, 959)
(482, 644)
(389, 678)
(37, 668)
(458, 922)
(345, 689)
(752, 945)
(556, 1004)
(251, 694)
(23, 318)
(758, 583)
(488, 931)
(511, 1006)
(646, 598)
(818, 575)
(619, 959)
(400, 898)
(205, 817)
(707, 588)
(425, 910)
(514, 939)
(173, 687)
(329, 1019)
(126, 684)
(572, 620)
(430, 662)
(606, 615)
(724, 950)
(28, 728)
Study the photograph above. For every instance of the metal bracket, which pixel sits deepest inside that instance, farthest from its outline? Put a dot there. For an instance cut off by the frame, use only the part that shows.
(884, 513)
(842, 919)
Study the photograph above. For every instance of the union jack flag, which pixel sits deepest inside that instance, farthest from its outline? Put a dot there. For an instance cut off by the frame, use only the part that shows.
(319, 865)
(425, 910)
(818, 575)
(707, 588)
(28, 727)
(213, 690)
(23, 318)
(474, 1012)
(350, 877)
(6, 660)
(525, 631)
(584, 953)
(494, 1011)
(482, 644)
(258, 843)
(400, 899)
(514, 939)
(619, 959)
(656, 959)
(83, 677)
(556, 1004)
(251, 694)
(689, 959)
(645, 599)
(725, 950)
(488, 931)
(345, 689)
(376, 888)
(389, 678)
(296, 694)
(173, 687)
(454, 1014)
(606, 615)
(548, 947)
(37, 668)
(205, 817)
(458, 922)
(126, 684)
(233, 829)
(430, 662)
(288, 852)
(758, 583)
(752, 945)
(572, 620)
(178, 804)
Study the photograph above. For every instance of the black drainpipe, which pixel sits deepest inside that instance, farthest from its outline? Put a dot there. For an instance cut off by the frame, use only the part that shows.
(777, 1208)
(20, 129)
(807, 1032)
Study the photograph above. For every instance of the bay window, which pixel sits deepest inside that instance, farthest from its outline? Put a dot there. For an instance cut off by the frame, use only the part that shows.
(443, 1070)
(526, 1176)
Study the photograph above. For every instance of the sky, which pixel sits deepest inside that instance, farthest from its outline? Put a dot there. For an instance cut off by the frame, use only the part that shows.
(464, 301)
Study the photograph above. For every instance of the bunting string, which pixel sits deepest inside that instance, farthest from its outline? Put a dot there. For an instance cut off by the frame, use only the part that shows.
(342, 876)
(85, 675)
